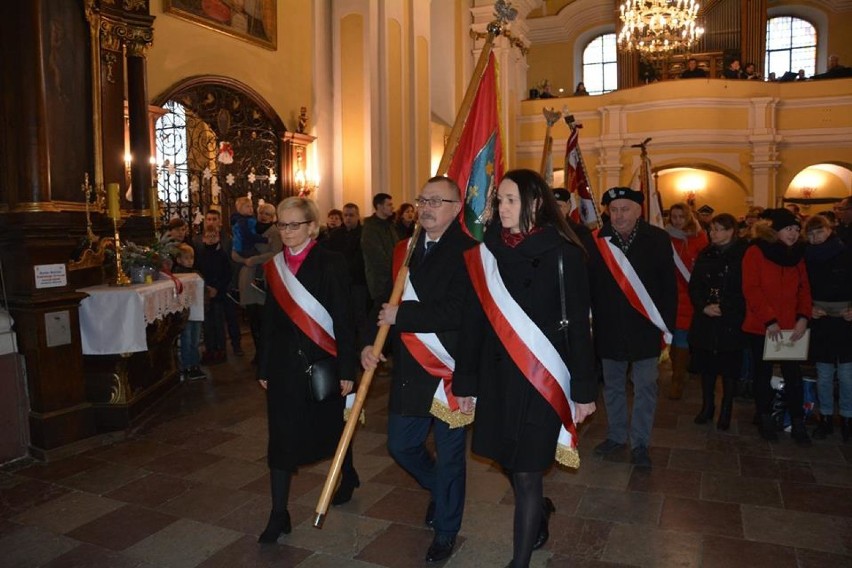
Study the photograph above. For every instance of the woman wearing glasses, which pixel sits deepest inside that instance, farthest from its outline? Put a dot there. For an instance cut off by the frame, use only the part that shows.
(526, 350)
(306, 319)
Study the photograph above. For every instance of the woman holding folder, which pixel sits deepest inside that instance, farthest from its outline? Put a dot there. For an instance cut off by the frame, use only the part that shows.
(778, 298)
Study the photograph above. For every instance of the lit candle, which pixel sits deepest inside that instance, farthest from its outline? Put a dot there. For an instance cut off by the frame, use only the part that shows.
(155, 204)
(113, 205)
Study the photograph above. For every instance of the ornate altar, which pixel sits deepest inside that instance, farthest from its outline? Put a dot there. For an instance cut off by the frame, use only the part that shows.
(128, 336)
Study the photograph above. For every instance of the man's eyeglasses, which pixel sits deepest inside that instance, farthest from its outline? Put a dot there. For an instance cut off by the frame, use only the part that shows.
(433, 202)
(294, 226)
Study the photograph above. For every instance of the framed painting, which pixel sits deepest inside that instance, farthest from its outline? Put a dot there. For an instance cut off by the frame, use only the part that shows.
(249, 20)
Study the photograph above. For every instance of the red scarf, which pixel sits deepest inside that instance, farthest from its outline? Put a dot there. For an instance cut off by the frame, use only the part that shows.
(512, 240)
(294, 261)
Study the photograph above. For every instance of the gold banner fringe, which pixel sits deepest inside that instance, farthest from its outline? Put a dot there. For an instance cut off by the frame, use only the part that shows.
(664, 354)
(568, 457)
(454, 419)
(348, 411)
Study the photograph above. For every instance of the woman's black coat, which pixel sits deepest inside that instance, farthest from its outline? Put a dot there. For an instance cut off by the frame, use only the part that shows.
(515, 425)
(302, 431)
(830, 275)
(717, 277)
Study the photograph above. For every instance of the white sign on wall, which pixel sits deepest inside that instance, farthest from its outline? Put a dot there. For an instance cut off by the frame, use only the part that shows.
(50, 275)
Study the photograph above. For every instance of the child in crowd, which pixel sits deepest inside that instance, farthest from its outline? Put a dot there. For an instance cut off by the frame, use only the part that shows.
(190, 337)
(244, 229)
(215, 267)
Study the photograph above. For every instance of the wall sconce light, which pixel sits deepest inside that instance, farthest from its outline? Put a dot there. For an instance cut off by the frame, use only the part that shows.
(691, 184)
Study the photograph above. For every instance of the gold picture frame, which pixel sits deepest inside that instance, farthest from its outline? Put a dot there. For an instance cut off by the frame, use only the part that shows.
(254, 21)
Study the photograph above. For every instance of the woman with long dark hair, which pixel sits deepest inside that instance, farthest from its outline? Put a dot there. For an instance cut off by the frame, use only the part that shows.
(715, 335)
(526, 350)
(404, 220)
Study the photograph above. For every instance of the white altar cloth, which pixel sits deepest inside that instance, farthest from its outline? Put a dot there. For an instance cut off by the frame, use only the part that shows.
(113, 319)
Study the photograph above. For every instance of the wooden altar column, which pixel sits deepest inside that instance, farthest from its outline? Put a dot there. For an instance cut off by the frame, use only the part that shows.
(137, 108)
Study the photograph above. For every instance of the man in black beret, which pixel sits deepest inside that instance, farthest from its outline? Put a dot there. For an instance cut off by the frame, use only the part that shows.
(634, 303)
(705, 214)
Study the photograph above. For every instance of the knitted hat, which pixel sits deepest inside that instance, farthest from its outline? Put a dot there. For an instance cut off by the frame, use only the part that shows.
(782, 218)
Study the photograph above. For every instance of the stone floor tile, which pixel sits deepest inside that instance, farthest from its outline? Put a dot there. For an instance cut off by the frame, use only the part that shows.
(787, 449)
(782, 470)
(229, 473)
(249, 448)
(705, 517)
(122, 528)
(620, 506)
(739, 489)
(742, 445)
(839, 475)
(400, 547)
(249, 518)
(68, 512)
(817, 498)
(678, 482)
(182, 544)
(27, 493)
(152, 490)
(402, 506)
(578, 537)
(29, 547)
(101, 480)
(205, 503)
(247, 552)
(705, 461)
(136, 452)
(817, 559)
(596, 472)
(643, 545)
(721, 552)
(182, 463)
(811, 531)
(60, 469)
(342, 535)
(396, 476)
(91, 556)
(199, 440)
(560, 561)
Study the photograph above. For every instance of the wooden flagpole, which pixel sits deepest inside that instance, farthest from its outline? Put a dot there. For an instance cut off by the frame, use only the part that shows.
(494, 29)
(572, 126)
(551, 116)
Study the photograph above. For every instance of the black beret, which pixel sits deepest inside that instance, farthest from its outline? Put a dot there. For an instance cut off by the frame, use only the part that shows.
(614, 193)
(782, 218)
(561, 194)
(706, 210)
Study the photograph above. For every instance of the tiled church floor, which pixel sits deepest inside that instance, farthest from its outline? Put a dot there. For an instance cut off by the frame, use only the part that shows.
(189, 488)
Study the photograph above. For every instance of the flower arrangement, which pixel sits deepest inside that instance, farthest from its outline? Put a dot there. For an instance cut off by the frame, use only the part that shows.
(143, 263)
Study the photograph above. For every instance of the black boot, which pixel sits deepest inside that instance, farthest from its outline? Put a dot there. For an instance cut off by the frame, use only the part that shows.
(548, 508)
(729, 386)
(279, 518)
(767, 428)
(824, 428)
(348, 484)
(708, 398)
(799, 433)
(845, 428)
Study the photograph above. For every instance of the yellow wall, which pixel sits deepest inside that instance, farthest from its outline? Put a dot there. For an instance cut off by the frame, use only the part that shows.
(551, 61)
(395, 111)
(422, 114)
(283, 77)
(353, 104)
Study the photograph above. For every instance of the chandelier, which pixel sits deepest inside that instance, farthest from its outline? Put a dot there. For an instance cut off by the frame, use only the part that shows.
(657, 27)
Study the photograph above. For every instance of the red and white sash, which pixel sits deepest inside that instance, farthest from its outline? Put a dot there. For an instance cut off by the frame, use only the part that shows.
(681, 266)
(300, 306)
(430, 353)
(630, 283)
(535, 356)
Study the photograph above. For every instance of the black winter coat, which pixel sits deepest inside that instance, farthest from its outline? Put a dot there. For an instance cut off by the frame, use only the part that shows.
(303, 431)
(515, 425)
(717, 278)
(215, 266)
(830, 275)
(621, 333)
(442, 286)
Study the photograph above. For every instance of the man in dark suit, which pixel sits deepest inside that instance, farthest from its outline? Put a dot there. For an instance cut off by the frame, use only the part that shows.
(693, 71)
(625, 337)
(346, 239)
(439, 279)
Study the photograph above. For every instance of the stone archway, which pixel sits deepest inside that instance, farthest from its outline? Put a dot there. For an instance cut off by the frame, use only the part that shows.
(818, 186)
(221, 140)
(702, 184)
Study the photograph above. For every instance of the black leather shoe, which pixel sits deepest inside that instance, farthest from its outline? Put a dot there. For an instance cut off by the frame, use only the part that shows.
(548, 508)
(279, 523)
(430, 514)
(344, 492)
(640, 457)
(608, 446)
(440, 549)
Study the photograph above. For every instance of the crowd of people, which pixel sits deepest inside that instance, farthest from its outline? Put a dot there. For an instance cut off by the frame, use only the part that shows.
(501, 329)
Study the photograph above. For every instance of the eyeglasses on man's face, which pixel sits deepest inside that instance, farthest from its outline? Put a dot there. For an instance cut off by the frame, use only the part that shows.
(433, 202)
(294, 226)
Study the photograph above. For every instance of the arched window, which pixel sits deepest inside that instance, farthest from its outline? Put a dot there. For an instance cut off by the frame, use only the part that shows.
(600, 72)
(791, 44)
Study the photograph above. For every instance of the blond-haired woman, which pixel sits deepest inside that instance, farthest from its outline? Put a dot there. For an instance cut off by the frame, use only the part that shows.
(306, 319)
(688, 239)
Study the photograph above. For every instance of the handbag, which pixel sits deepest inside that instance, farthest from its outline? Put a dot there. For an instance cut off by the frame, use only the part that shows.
(323, 382)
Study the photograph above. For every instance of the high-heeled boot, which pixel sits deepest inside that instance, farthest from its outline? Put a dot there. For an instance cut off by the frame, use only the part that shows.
(729, 386)
(279, 518)
(708, 395)
(349, 480)
(548, 508)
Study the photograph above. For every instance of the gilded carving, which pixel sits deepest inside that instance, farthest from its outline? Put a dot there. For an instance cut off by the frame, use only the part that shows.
(136, 5)
(111, 34)
(138, 40)
(110, 59)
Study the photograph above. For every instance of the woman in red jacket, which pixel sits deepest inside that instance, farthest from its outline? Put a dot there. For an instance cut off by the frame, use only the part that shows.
(778, 297)
(688, 239)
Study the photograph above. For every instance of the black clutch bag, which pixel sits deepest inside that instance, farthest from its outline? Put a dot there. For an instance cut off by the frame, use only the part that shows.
(323, 381)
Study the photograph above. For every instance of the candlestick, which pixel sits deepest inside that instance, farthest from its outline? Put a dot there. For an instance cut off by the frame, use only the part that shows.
(113, 204)
(87, 194)
(121, 278)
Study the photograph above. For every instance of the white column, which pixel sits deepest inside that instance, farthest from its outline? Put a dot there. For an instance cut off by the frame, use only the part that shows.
(763, 138)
